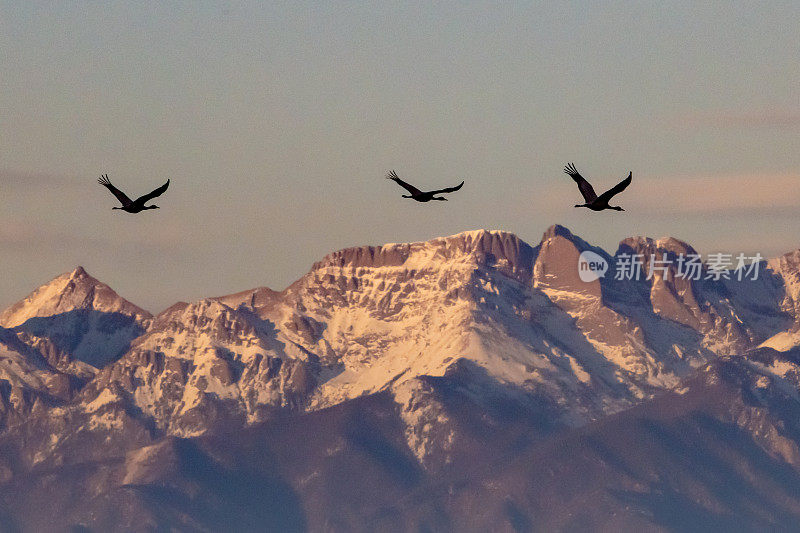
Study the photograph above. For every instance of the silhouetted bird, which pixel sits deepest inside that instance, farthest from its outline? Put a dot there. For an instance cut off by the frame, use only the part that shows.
(594, 202)
(417, 194)
(132, 206)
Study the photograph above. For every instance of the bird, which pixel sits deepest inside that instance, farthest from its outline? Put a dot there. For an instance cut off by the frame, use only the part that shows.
(594, 202)
(128, 205)
(417, 194)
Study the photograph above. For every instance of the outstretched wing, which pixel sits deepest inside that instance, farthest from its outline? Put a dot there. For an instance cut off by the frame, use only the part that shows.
(616, 189)
(585, 187)
(449, 189)
(410, 188)
(121, 196)
(156, 193)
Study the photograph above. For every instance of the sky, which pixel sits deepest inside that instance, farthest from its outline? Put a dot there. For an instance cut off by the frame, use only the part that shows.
(277, 123)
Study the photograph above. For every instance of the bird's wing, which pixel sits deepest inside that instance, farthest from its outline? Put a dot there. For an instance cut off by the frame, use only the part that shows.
(449, 189)
(121, 196)
(149, 196)
(585, 187)
(616, 189)
(410, 188)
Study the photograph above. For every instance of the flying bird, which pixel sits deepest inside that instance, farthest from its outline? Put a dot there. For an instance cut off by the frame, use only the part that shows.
(128, 205)
(594, 202)
(417, 194)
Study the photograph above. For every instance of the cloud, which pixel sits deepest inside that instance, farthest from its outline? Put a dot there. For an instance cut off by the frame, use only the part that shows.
(769, 245)
(706, 194)
(700, 195)
(14, 179)
(21, 237)
(13, 234)
(729, 119)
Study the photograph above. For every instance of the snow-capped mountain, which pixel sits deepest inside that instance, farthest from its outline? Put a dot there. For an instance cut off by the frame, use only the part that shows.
(76, 322)
(56, 339)
(455, 340)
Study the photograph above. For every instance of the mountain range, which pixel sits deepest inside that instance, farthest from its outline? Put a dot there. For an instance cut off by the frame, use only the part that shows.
(470, 382)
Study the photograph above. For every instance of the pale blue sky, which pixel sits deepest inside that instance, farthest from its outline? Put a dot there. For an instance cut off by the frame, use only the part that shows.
(277, 124)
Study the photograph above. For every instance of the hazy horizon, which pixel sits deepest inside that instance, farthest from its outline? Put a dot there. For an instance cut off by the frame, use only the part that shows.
(277, 124)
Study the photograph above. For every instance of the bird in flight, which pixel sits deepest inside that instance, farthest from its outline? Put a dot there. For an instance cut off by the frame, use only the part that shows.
(594, 202)
(128, 205)
(417, 194)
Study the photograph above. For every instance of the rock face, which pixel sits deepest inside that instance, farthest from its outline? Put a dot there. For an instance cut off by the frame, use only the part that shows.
(556, 265)
(206, 365)
(56, 339)
(421, 360)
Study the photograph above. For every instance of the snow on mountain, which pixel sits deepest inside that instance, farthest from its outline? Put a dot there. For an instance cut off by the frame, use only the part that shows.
(57, 338)
(474, 345)
(386, 319)
(784, 273)
(350, 327)
(371, 319)
(76, 323)
(71, 291)
(24, 379)
(201, 364)
(787, 267)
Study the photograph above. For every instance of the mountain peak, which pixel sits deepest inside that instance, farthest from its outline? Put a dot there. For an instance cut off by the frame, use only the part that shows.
(258, 298)
(647, 246)
(480, 245)
(557, 230)
(480, 234)
(557, 264)
(68, 292)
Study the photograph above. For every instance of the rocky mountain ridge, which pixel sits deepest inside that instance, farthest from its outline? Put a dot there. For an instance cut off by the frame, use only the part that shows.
(474, 332)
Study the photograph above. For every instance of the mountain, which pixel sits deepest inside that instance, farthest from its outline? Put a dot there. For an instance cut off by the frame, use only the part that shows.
(56, 339)
(434, 385)
(76, 318)
(72, 291)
